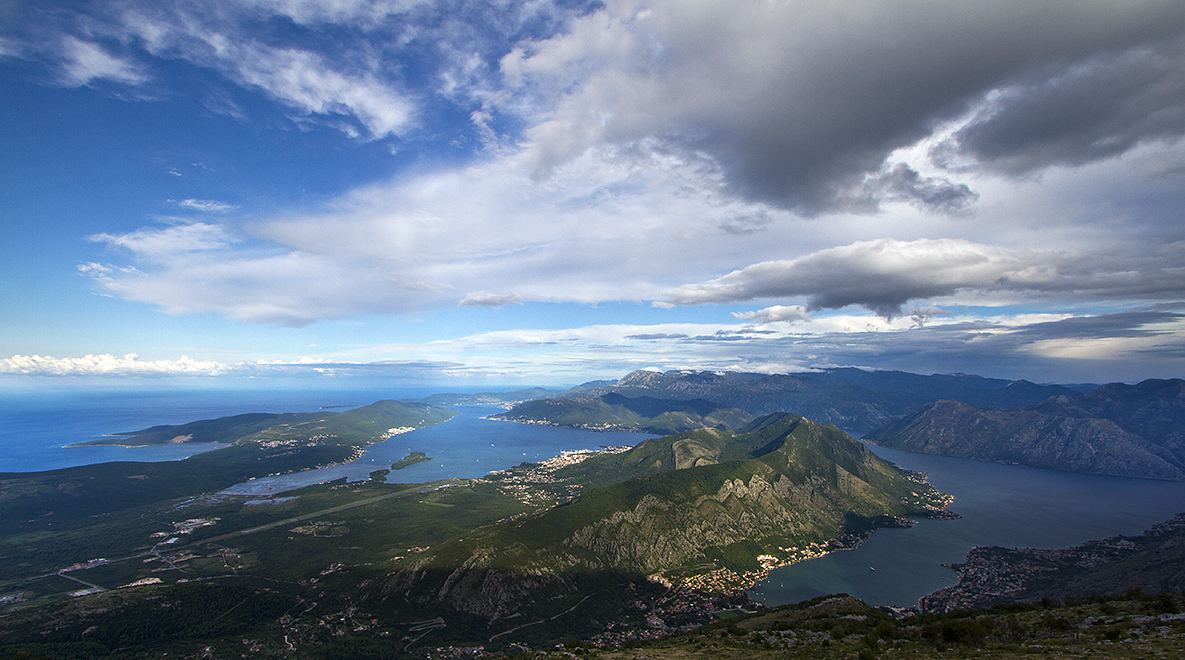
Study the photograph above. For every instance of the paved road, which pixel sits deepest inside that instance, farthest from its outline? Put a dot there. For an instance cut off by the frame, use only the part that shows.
(423, 488)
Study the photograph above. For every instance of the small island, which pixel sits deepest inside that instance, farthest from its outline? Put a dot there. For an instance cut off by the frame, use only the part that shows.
(411, 459)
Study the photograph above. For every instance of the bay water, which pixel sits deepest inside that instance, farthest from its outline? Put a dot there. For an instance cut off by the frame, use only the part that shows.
(1003, 505)
(467, 446)
(1006, 505)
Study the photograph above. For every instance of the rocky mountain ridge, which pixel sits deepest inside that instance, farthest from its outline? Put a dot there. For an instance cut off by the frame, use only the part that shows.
(852, 399)
(1118, 429)
(780, 492)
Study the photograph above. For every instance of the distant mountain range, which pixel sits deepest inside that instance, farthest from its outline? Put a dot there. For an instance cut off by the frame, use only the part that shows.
(1119, 429)
(852, 399)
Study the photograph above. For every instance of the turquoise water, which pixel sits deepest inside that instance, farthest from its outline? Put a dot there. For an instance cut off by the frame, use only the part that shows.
(1005, 505)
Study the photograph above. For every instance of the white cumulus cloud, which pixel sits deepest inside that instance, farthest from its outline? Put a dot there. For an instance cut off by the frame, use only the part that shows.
(775, 314)
(109, 365)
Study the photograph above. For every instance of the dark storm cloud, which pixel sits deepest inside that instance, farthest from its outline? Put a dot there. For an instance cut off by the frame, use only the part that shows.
(1103, 71)
(884, 275)
(1138, 344)
(1125, 324)
(1092, 110)
(928, 193)
(799, 102)
(879, 275)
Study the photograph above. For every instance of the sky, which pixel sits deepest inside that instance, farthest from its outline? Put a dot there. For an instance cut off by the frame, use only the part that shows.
(550, 192)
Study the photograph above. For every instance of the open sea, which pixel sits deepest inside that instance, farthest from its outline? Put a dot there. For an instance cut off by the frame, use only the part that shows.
(1001, 504)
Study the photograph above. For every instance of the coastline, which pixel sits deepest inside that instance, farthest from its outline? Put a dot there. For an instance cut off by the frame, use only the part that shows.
(102, 443)
(725, 581)
(578, 427)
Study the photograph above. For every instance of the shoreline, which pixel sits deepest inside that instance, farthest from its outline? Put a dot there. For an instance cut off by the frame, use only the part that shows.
(724, 581)
(578, 427)
(98, 443)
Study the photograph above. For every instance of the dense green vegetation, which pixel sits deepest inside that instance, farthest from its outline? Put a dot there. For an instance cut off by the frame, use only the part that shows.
(223, 429)
(466, 561)
(411, 459)
(317, 559)
(362, 424)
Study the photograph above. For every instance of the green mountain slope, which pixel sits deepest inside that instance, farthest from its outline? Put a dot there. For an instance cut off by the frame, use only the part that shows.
(614, 412)
(223, 429)
(778, 492)
(362, 424)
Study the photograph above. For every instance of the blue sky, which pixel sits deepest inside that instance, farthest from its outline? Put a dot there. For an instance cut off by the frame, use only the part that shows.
(552, 192)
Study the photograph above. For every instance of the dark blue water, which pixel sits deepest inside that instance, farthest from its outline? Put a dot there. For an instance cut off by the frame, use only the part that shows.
(1003, 505)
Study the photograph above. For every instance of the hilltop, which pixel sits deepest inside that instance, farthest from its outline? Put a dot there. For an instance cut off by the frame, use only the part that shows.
(839, 627)
(704, 510)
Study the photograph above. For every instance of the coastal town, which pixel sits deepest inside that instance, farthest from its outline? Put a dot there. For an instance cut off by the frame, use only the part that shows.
(994, 574)
(536, 485)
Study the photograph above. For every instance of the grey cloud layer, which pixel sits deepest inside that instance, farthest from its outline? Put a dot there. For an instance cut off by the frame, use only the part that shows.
(801, 101)
(884, 275)
(1095, 109)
